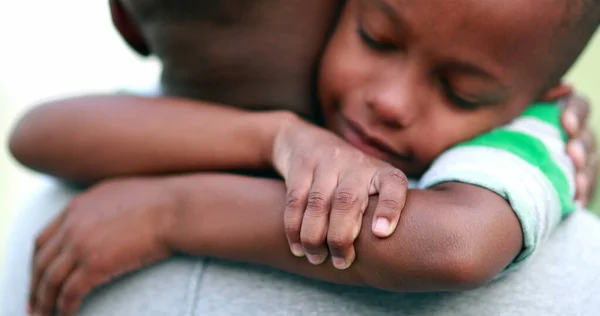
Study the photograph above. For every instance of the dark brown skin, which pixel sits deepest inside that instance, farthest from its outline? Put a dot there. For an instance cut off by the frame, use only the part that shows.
(420, 87)
(249, 54)
(460, 239)
(441, 244)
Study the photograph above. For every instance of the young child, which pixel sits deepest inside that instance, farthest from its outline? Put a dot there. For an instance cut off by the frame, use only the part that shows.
(379, 105)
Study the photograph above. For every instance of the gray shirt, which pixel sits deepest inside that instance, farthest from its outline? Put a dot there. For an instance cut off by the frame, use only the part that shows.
(561, 279)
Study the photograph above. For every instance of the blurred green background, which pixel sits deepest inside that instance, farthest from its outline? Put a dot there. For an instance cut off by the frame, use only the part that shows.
(67, 47)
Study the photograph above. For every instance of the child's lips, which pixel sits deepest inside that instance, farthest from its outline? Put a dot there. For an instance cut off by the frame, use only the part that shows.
(369, 144)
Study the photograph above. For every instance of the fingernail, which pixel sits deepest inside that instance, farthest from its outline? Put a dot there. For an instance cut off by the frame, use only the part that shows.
(297, 250)
(315, 259)
(382, 226)
(571, 121)
(340, 263)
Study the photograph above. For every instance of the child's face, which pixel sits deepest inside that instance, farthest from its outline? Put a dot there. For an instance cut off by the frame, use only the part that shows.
(404, 80)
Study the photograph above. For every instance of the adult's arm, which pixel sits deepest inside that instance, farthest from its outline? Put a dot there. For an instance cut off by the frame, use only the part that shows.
(87, 139)
(453, 237)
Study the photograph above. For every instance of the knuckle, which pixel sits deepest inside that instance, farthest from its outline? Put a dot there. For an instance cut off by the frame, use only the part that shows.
(291, 229)
(396, 176)
(312, 240)
(339, 242)
(293, 200)
(51, 280)
(316, 201)
(90, 260)
(78, 246)
(390, 204)
(344, 200)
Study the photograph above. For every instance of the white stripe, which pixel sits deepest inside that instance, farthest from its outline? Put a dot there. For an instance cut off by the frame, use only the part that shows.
(551, 137)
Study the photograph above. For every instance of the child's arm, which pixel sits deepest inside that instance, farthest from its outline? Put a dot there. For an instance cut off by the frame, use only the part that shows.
(91, 138)
(452, 237)
(526, 163)
(329, 182)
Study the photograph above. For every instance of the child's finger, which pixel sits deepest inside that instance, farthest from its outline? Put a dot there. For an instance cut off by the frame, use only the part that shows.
(298, 186)
(582, 186)
(392, 185)
(73, 291)
(577, 153)
(316, 217)
(52, 281)
(41, 261)
(588, 140)
(349, 202)
(575, 114)
(48, 232)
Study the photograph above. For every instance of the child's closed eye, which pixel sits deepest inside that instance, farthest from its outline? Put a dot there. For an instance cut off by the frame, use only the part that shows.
(461, 102)
(373, 43)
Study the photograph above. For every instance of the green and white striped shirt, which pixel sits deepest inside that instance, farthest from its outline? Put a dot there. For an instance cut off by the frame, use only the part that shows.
(526, 163)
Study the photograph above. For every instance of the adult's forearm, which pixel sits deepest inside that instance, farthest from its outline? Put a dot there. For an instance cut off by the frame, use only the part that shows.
(91, 138)
(438, 245)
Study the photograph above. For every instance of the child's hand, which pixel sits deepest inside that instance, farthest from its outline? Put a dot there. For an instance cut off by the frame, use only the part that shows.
(109, 230)
(328, 186)
(581, 146)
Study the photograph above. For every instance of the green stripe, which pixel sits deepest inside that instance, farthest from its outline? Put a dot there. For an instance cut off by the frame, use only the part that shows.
(534, 152)
(548, 112)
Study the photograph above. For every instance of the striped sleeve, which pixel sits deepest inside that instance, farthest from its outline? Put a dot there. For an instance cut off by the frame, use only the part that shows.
(526, 163)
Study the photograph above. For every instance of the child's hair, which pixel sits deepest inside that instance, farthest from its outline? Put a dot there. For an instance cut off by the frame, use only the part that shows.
(163, 21)
(173, 29)
(217, 12)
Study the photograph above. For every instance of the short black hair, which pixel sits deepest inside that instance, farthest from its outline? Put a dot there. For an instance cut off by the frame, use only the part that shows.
(221, 12)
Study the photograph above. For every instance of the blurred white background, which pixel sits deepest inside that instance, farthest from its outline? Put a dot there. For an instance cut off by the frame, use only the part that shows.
(54, 48)
(49, 49)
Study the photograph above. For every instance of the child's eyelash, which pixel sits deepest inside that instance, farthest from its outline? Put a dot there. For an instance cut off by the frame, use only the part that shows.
(367, 39)
(456, 99)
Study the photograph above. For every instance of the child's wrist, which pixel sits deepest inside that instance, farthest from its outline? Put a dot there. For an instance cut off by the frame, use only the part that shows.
(274, 124)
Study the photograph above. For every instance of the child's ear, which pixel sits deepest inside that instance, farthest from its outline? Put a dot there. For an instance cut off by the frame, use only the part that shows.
(557, 92)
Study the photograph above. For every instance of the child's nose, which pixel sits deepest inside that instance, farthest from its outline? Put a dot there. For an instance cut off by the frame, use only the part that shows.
(396, 106)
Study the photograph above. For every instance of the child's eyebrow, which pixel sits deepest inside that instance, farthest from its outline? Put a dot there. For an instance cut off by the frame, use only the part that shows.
(389, 11)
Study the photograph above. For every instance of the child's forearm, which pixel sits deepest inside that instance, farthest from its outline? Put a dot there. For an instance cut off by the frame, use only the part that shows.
(90, 138)
(453, 238)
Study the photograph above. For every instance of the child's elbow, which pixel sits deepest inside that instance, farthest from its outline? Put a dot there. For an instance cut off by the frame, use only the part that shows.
(460, 255)
(465, 269)
(453, 269)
